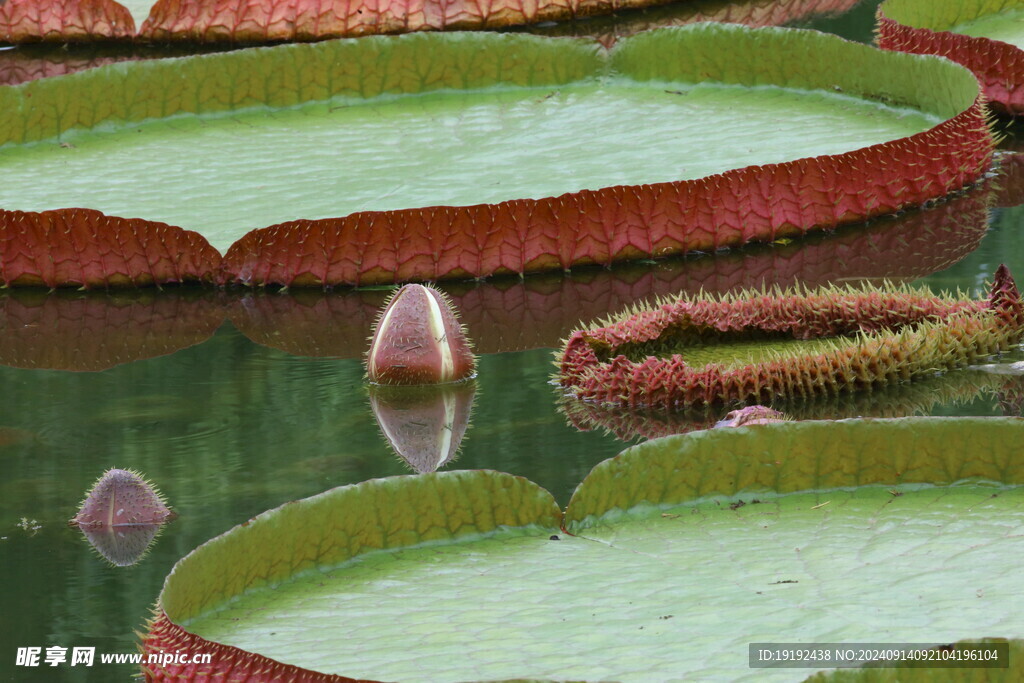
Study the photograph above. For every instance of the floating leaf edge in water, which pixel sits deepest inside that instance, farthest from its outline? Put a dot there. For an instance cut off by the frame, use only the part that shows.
(767, 460)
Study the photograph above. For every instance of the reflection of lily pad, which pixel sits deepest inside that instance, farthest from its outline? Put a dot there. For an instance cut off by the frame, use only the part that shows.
(661, 579)
(986, 37)
(900, 400)
(533, 118)
(86, 331)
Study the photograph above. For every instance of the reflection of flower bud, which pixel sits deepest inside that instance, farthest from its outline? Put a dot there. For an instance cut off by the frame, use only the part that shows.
(418, 340)
(122, 545)
(121, 498)
(424, 425)
(751, 415)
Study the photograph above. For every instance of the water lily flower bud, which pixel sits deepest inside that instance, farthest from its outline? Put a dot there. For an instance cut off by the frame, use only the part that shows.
(121, 498)
(418, 340)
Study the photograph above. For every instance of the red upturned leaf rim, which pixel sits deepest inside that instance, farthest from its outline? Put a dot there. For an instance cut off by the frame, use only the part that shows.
(240, 21)
(919, 27)
(608, 29)
(539, 311)
(92, 331)
(604, 226)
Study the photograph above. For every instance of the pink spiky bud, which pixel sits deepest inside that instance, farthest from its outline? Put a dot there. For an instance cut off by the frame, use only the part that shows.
(121, 498)
(418, 340)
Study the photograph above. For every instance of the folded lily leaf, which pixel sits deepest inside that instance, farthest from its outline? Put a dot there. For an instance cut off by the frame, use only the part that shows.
(770, 345)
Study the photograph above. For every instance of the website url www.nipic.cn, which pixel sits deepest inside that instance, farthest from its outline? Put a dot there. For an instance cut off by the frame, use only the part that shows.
(87, 656)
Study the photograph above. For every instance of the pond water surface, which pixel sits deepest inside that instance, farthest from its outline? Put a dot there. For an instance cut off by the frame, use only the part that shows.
(228, 427)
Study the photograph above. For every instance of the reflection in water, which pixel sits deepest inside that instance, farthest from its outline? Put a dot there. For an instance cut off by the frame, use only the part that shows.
(122, 545)
(92, 331)
(916, 398)
(424, 425)
(121, 515)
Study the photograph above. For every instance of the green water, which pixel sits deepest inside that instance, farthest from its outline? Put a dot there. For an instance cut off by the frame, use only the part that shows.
(229, 428)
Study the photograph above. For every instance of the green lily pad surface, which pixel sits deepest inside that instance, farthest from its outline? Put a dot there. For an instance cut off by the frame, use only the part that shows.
(682, 551)
(331, 159)
(732, 351)
(654, 596)
(1007, 26)
(309, 131)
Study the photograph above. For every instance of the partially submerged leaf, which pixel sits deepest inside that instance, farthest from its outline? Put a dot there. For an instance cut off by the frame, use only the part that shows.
(641, 590)
(983, 35)
(555, 194)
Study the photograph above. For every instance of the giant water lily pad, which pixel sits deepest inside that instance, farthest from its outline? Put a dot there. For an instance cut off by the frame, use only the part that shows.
(986, 36)
(682, 551)
(536, 161)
